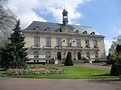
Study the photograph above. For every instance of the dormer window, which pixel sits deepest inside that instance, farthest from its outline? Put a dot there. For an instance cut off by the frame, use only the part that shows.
(48, 29)
(58, 30)
(85, 32)
(77, 31)
(37, 28)
(92, 33)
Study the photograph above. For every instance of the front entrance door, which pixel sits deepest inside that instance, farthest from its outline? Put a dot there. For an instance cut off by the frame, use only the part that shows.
(79, 55)
(59, 55)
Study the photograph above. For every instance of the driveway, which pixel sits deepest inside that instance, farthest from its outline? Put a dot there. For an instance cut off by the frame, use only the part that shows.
(93, 65)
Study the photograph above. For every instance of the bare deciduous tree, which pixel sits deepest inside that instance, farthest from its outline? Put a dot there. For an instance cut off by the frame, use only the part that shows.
(7, 20)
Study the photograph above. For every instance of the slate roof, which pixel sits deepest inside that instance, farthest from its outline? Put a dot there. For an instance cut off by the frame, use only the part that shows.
(49, 26)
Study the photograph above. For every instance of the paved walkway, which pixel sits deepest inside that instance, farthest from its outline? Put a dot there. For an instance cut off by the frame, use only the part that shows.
(61, 84)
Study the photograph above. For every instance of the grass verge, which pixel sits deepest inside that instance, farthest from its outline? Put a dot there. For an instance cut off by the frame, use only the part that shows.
(72, 72)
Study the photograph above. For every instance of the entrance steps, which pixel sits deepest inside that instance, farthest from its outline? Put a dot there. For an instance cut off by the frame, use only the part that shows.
(78, 61)
(74, 62)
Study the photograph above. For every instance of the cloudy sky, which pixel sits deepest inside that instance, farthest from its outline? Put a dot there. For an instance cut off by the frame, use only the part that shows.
(103, 15)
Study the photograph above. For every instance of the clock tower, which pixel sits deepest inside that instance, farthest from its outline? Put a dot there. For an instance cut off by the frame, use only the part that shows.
(65, 17)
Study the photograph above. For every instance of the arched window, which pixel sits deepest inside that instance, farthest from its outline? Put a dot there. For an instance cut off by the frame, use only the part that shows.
(59, 55)
(79, 56)
(85, 32)
(48, 55)
(36, 54)
(88, 55)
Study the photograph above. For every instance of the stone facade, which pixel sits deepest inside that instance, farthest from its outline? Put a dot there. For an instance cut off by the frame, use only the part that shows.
(46, 40)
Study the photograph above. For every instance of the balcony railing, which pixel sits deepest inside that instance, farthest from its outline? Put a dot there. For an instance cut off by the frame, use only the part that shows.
(69, 47)
(87, 48)
(47, 47)
(96, 48)
(36, 47)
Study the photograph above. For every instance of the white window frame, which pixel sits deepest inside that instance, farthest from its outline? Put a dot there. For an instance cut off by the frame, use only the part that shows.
(58, 41)
(36, 41)
(48, 41)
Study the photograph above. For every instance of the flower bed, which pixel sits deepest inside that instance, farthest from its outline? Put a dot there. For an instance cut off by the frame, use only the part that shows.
(36, 69)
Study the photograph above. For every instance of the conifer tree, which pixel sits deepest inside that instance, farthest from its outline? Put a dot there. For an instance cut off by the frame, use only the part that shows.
(68, 61)
(14, 55)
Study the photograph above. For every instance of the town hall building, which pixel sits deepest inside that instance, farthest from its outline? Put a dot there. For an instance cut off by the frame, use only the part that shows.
(47, 40)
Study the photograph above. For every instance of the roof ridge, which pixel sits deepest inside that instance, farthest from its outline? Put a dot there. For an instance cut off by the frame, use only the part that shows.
(46, 22)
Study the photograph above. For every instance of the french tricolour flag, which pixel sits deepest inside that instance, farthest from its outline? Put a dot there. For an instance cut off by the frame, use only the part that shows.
(70, 42)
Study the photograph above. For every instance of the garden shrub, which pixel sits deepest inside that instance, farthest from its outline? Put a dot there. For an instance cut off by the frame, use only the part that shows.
(113, 70)
(111, 61)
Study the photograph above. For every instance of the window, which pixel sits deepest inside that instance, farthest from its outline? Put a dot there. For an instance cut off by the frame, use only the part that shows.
(78, 42)
(48, 29)
(37, 28)
(92, 33)
(95, 43)
(36, 41)
(58, 30)
(88, 55)
(77, 31)
(36, 54)
(87, 43)
(48, 41)
(68, 41)
(58, 41)
(48, 55)
(85, 32)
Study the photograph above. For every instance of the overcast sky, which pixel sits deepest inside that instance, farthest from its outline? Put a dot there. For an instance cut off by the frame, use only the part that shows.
(103, 15)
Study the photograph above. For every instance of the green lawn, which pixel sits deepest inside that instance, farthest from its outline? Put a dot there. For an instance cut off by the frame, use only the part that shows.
(72, 72)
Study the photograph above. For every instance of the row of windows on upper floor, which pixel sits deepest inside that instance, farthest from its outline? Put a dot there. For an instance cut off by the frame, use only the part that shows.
(68, 42)
(59, 30)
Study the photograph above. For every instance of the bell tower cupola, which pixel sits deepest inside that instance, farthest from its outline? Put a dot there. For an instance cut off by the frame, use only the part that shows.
(65, 17)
